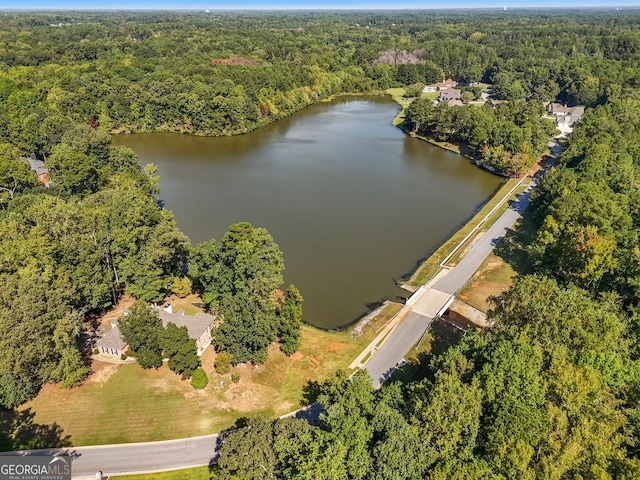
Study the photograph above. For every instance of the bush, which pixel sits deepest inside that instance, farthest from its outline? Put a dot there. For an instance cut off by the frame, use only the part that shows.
(223, 362)
(414, 90)
(235, 377)
(96, 351)
(199, 379)
(123, 356)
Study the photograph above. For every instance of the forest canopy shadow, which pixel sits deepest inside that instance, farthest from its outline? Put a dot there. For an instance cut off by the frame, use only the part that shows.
(513, 246)
(19, 431)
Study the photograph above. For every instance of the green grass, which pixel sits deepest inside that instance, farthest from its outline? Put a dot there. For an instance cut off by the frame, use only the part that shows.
(383, 317)
(496, 273)
(492, 278)
(124, 403)
(198, 473)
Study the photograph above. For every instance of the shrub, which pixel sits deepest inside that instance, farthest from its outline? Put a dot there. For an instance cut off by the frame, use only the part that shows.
(96, 351)
(199, 379)
(123, 356)
(223, 362)
(235, 377)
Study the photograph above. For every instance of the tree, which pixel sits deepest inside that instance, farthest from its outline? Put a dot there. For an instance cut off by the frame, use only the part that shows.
(72, 171)
(348, 407)
(447, 412)
(223, 361)
(515, 419)
(290, 321)
(240, 276)
(180, 350)
(15, 177)
(466, 96)
(248, 452)
(142, 328)
(554, 315)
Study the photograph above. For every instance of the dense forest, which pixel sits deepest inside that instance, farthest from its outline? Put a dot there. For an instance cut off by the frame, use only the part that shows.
(552, 391)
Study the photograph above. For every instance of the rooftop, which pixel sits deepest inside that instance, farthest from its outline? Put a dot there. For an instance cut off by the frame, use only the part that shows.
(196, 325)
(112, 339)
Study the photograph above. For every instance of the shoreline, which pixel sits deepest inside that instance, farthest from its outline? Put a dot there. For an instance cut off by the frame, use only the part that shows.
(428, 266)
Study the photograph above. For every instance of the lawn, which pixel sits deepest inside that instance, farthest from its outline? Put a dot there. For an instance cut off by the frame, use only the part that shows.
(124, 403)
(492, 278)
(198, 473)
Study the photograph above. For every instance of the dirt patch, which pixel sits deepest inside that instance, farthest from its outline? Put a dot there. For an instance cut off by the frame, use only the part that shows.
(101, 372)
(297, 356)
(246, 396)
(494, 264)
(116, 312)
(334, 347)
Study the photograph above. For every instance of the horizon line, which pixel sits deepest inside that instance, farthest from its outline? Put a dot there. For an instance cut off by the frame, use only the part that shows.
(336, 8)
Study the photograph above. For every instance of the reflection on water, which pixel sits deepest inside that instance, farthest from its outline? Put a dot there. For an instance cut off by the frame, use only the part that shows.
(352, 201)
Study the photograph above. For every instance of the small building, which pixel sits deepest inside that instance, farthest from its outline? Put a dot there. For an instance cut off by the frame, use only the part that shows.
(454, 103)
(38, 166)
(450, 94)
(112, 343)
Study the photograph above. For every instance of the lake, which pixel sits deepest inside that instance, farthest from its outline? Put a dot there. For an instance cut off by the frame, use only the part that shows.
(352, 201)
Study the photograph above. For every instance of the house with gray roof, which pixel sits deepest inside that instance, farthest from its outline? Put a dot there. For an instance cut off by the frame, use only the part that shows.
(450, 94)
(566, 117)
(112, 343)
(38, 166)
(198, 327)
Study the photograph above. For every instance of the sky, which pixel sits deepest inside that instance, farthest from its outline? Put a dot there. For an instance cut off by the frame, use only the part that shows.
(212, 5)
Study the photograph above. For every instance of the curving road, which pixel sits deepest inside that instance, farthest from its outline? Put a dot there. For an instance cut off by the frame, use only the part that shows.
(148, 457)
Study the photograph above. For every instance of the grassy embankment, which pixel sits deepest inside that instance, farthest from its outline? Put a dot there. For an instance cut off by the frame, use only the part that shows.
(198, 473)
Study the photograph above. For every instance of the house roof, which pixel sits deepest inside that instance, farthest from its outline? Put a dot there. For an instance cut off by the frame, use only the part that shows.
(559, 109)
(112, 339)
(196, 325)
(450, 94)
(37, 165)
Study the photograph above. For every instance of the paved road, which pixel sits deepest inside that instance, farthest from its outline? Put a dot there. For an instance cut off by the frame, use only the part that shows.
(422, 311)
(458, 276)
(138, 457)
(148, 457)
(406, 334)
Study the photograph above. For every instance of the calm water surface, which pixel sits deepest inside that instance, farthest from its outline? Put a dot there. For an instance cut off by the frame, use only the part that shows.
(352, 201)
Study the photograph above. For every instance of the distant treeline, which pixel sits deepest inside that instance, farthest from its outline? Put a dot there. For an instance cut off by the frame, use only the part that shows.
(174, 72)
